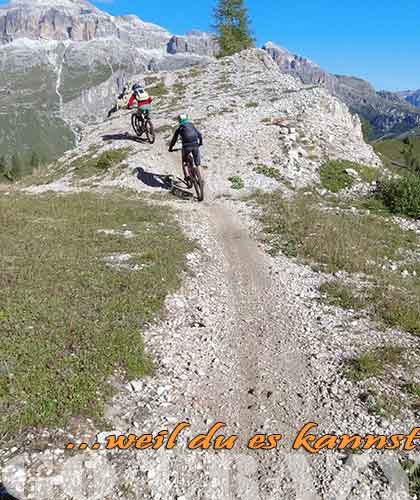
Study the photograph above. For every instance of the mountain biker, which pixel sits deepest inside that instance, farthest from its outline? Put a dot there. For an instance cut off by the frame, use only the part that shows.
(144, 101)
(191, 139)
(121, 101)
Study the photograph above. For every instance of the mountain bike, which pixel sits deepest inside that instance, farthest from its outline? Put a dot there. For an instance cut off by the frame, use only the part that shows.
(142, 124)
(193, 176)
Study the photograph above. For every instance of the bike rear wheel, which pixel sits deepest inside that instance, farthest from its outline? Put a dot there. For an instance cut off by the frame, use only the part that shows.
(196, 178)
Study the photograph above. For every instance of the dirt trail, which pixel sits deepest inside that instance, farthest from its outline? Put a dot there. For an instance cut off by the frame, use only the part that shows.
(243, 366)
(269, 374)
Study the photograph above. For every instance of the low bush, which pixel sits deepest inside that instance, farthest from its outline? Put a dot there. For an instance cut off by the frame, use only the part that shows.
(401, 195)
(236, 182)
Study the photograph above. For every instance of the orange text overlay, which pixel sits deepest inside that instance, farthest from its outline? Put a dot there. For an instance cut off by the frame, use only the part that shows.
(305, 439)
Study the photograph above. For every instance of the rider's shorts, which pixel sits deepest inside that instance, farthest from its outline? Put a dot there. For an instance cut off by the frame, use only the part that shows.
(195, 150)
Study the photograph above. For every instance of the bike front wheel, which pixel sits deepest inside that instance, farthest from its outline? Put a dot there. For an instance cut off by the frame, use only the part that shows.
(150, 131)
(137, 125)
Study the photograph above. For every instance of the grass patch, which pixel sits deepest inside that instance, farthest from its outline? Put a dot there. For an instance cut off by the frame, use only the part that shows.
(339, 294)
(413, 471)
(151, 80)
(252, 104)
(339, 241)
(396, 302)
(413, 389)
(372, 203)
(384, 405)
(335, 177)
(88, 165)
(164, 129)
(392, 150)
(195, 72)
(335, 240)
(236, 182)
(67, 319)
(267, 171)
(180, 88)
(44, 175)
(158, 90)
(374, 363)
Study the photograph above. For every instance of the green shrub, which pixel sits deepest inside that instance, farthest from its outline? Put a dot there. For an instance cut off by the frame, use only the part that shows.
(237, 182)
(267, 171)
(195, 72)
(401, 195)
(88, 166)
(373, 363)
(413, 472)
(111, 158)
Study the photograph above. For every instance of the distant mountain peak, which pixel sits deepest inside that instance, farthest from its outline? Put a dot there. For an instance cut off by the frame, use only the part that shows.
(52, 4)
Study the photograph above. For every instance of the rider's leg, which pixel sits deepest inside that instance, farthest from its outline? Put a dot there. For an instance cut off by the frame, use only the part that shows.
(197, 156)
(185, 153)
(112, 110)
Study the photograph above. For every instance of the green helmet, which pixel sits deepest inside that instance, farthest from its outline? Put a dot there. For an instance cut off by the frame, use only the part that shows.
(183, 119)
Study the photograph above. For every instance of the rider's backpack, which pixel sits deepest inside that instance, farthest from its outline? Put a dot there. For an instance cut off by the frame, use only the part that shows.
(189, 134)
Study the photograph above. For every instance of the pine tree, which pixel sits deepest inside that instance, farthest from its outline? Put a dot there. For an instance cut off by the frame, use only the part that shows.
(3, 168)
(34, 161)
(233, 27)
(16, 167)
(412, 161)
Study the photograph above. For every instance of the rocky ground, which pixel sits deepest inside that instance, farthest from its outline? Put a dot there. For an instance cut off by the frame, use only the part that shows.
(246, 341)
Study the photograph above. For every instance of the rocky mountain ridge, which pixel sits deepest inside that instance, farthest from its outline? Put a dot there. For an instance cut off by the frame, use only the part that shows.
(411, 96)
(80, 21)
(287, 130)
(73, 56)
(388, 113)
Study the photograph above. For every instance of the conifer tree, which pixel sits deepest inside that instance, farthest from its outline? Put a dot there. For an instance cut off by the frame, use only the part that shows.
(15, 167)
(233, 27)
(34, 161)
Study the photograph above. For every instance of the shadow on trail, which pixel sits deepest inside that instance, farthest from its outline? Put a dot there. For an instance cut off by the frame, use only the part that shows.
(166, 182)
(4, 494)
(123, 137)
(153, 180)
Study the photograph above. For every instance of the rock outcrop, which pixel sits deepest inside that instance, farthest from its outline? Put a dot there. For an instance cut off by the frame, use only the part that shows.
(386, 111)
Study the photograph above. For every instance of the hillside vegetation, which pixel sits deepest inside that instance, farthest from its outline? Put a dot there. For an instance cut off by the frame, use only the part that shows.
(78, 279)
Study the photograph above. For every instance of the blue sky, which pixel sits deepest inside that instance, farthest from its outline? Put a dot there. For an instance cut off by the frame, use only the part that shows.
(378, 40)
(372, 39)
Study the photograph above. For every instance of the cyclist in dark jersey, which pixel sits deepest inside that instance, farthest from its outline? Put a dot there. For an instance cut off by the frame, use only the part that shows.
(191, 139)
